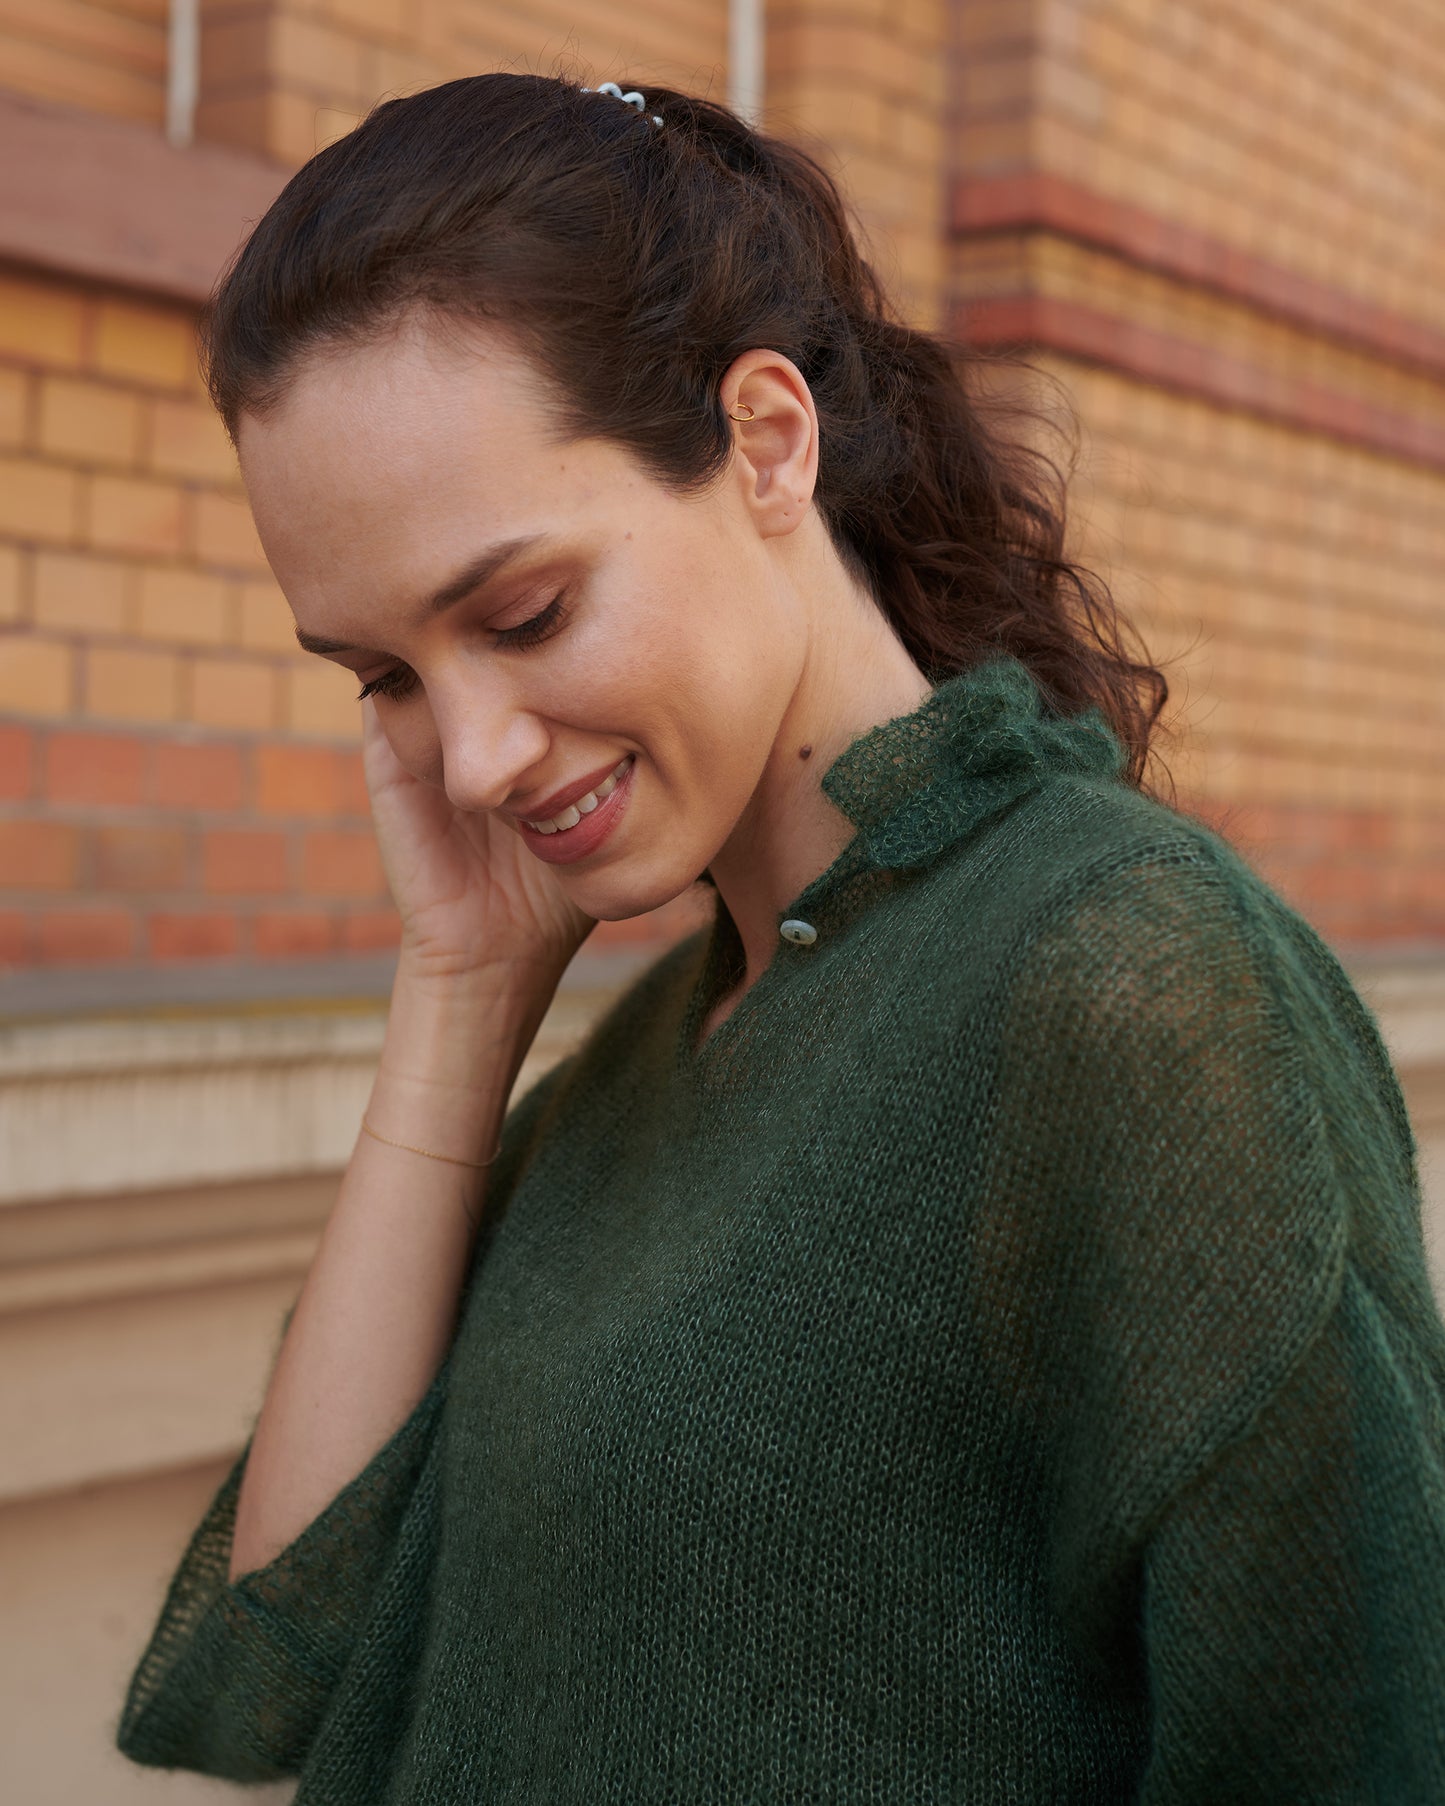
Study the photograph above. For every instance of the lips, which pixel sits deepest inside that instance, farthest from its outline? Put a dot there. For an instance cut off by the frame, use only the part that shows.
(563, 845)
(562, 799)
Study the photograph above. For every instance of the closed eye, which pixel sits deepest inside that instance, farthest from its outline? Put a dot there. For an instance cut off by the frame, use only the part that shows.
(400, 680)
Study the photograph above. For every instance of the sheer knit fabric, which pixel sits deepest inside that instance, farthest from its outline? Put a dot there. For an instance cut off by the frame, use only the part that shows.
(998, 1365)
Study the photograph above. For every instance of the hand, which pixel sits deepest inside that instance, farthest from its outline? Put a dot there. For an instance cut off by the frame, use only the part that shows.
(472, 899)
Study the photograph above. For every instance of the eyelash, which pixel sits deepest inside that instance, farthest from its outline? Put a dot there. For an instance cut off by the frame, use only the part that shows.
(525, 634)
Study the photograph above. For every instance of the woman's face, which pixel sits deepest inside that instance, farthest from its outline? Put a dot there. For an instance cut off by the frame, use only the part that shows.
(528, 613)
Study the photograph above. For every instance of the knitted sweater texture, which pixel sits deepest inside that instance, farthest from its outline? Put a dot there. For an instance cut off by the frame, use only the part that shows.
(997, 1365)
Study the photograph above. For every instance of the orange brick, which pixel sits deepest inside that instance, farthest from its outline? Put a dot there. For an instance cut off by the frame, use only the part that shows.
(37, 676)
(16, 940)
(297, 127)
(12, 584)
(353, 797)
(41, 323)
(183, 606)
(266, 622)
(14, 409)
(39, 855)
(341, 863)
(372, 18)
(233, 692)
(90, 422)
(138, 858)
(148, 344)
(196, 774)
(107, 80)
(131, 685)
(370, 930)
(134, 514)
(298, 780)
(315, 59)
(73, 936)
(235, 53)
(279, 934)
(320, 698)
(38, 501)
(238, 860)
(196, 934)
(84, 594)
(224, 534)
(94, 768)
(17, 762)
(186, 439)
(242, 119)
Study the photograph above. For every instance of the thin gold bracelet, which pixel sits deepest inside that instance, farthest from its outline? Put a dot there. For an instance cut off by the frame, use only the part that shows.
(450, 1159)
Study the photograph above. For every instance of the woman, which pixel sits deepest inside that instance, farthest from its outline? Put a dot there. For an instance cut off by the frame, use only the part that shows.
(959, 1329)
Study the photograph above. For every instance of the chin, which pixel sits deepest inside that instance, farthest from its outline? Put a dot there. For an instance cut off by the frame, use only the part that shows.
(622, 895)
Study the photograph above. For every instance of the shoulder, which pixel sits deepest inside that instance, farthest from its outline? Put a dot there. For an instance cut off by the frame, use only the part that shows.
(1129, 944)
(1097, 880)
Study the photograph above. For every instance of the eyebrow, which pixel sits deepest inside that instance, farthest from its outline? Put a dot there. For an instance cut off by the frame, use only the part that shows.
(457, 588)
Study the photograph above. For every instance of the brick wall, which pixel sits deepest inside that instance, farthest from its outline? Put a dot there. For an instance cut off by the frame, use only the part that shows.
(1212, 220)
(1216, 222)
(179, 779)
(1311, 133)
(108, 55)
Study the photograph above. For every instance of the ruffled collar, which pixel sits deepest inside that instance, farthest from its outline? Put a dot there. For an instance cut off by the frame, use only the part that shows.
(917, 785)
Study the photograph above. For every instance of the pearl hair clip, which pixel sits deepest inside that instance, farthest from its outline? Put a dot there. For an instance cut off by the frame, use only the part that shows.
(632, 97)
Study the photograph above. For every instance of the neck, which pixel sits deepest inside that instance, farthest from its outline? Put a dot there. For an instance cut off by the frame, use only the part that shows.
(856, 675)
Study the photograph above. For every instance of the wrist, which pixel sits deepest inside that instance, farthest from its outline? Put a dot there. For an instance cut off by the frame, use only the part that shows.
(466, 1035)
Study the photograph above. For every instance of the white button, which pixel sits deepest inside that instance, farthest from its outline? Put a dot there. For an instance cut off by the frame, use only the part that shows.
(802, 933)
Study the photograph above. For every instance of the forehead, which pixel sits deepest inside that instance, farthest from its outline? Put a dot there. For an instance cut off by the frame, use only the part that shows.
(414, 396)
(386, 461)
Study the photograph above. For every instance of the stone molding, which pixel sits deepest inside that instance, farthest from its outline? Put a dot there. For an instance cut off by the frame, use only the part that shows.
(1041, 201)
(111, 201)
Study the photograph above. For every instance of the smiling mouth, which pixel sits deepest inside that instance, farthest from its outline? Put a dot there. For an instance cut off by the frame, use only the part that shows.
(584, 805)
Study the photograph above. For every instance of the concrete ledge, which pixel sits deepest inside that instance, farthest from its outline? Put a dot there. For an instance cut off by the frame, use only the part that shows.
(193, 1077)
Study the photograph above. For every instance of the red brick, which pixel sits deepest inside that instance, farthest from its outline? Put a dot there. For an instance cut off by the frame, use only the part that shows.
(370, 931)
(278, 934)
(235, 860)
(94, 768)
(341, 864)
(17, 762)
(139, 858)
(15, 938)
(197, 774)
(195, 935)
(298, 780)
(352, 796)
(75, 935)
(39, 855)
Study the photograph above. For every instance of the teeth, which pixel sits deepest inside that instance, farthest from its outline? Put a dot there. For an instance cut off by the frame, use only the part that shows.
(584, 805)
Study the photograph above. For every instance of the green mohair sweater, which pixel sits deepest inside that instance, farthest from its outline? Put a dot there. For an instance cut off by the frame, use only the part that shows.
(999, 1366)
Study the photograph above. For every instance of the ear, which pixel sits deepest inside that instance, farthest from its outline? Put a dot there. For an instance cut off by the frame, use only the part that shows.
(775, 452)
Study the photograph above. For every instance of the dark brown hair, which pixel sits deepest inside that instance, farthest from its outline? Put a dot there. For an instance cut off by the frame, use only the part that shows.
(633, 263)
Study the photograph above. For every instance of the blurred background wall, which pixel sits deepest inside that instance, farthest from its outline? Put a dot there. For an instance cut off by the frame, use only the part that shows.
(1216, 222)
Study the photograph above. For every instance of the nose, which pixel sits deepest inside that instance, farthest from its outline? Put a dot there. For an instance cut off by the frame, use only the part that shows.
(488, 743)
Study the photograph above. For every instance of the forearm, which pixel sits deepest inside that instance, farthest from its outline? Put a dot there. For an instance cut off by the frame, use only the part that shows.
(378, 1307)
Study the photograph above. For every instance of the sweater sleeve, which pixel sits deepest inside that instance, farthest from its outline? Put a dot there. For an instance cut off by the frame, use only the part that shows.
(241, 1678)
(1294, 1591)
(1210, 1307)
